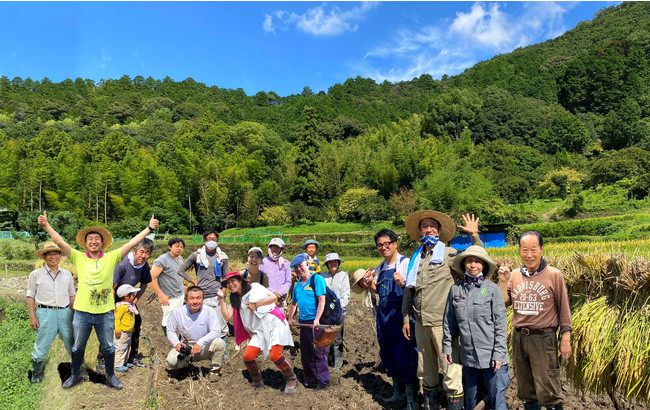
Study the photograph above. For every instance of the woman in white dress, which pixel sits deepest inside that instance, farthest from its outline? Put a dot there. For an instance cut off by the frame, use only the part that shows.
(256, 316)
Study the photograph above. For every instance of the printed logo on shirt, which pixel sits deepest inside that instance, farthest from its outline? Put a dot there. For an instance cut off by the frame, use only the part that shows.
(528, 298)
(483, 292)
(100, 297)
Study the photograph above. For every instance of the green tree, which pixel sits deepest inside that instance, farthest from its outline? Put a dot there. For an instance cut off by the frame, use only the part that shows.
(451, 112)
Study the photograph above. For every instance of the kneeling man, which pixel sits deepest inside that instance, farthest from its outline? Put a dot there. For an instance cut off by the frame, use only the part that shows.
(199, 331)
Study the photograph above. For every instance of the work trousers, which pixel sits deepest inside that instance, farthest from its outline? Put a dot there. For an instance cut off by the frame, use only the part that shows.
(431, 360)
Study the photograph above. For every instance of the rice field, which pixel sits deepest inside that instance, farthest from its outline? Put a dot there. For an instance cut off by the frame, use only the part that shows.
(609, 285)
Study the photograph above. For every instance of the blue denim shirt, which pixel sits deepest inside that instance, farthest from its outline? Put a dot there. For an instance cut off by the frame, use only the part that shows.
(478, 315)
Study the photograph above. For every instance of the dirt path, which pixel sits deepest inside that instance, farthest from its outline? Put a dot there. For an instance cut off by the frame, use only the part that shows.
(357, 386)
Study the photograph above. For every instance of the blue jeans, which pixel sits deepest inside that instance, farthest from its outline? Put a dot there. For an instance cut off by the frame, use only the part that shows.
(104, 324)
(52, 322)
(495, 383)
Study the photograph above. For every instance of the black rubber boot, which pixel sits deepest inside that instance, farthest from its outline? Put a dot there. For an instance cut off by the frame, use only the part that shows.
(111, 380)
(77, 359)
(531, 405)
(454, 401)
(37, 371)
(397, 394)
(411, 402)
(101, 365)
(556, 407)
(431, 399)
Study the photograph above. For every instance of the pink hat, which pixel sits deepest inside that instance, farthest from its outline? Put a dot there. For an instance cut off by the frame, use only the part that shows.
(229, 275)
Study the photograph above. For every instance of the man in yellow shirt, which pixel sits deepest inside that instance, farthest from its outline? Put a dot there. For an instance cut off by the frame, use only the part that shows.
(94, 303)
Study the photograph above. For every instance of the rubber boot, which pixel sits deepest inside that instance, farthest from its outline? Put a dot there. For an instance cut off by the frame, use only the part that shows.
(411, 403)
(556, 407)
(397, 394)
(287, 372)
(101, 364)
(256, 375)
(37, 371)
(77, 359)
(338, 358)
(531, 405)
(111, 380)
(454, 401)
(431, 399)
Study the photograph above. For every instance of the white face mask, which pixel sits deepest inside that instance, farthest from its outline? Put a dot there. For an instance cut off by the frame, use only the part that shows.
(211, 245)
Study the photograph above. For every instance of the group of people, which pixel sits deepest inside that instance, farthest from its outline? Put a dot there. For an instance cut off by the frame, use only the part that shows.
(441, 322)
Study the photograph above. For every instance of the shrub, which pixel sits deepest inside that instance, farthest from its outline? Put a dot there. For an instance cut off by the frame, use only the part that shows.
(274, 215)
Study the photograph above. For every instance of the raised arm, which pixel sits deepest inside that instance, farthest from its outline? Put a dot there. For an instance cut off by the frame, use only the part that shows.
(58, 240)
(226, 310)
(470, 227)
(125, 249)
(504, 278)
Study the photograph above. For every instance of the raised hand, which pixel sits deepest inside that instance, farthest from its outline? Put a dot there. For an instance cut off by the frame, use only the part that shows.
(471, 224)
(504, 271)
(153, 222)
(42, 219)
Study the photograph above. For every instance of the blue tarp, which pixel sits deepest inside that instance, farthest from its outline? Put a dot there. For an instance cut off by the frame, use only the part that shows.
(490, 240)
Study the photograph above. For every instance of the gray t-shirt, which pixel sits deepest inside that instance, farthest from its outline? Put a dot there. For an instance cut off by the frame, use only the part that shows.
(169, 281)
(205, 277)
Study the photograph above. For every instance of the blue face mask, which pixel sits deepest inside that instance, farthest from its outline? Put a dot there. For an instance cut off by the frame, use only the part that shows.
(430, 241)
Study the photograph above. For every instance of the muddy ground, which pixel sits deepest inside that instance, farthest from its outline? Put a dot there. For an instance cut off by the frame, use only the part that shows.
(359, 384)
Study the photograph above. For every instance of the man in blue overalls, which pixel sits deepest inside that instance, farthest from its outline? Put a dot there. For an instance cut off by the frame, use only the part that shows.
(398, 354)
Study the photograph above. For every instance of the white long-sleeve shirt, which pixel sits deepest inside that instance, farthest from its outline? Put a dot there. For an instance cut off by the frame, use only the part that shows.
(199, 328)
(340, 284)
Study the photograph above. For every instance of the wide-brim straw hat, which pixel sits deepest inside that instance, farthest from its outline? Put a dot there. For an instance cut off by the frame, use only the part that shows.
(106, 236)
(356, 277)
(48, 247)
(479, 252)
(447, 229)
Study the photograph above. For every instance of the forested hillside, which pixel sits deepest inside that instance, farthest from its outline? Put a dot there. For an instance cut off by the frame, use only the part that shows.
(568, 118)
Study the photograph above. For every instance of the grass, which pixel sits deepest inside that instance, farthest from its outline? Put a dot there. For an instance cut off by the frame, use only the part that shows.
(632, 248)
(16, 343)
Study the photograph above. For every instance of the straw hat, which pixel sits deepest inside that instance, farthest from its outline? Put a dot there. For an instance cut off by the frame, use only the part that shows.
(48, 247)
(106, 236)
(479, 252)
(356, 277)
(447, 229)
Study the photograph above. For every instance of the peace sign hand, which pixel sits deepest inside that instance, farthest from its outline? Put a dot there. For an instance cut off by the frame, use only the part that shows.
(504, 271)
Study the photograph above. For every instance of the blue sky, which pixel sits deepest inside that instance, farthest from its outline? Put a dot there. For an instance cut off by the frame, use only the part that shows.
(271, 46)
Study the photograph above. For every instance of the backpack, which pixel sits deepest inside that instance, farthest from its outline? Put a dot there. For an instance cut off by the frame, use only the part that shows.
(333, 312)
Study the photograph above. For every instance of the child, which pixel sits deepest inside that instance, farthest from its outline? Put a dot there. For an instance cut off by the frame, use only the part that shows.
(125, 311)
(310, 247)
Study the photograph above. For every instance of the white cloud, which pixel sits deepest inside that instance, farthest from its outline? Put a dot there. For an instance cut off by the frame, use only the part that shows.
(452, 46)
(106, 58)
(489, 27)
(318, 20)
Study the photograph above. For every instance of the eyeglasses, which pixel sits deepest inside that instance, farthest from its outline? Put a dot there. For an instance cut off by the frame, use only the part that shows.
(384, 245)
